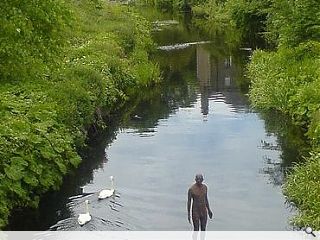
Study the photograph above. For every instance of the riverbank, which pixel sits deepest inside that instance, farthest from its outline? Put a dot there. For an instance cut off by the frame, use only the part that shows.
(285, 77)
(288, 80)
(68, 68)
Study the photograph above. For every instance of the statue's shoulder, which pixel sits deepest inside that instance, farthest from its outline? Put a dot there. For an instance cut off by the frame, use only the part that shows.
(192, 187)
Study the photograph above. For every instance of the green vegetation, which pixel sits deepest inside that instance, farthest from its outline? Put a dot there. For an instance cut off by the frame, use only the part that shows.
(303, 188)
(65, 66)
(170, 5)
(245, 20)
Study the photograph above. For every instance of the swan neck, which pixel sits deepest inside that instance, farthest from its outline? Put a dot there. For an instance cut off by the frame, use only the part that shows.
(112, 184)
(87, 208)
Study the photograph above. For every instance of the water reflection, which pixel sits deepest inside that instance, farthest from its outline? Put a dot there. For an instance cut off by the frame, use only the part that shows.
(201, 235)
(288, 146)
(217, 76)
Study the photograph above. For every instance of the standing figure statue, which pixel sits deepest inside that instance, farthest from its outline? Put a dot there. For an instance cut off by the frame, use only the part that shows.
(200, 204)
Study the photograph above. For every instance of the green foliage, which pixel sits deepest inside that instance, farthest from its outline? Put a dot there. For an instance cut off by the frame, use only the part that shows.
(36, 150)
(286, 23)
(287, 80)
(171, 5)
(278, 76)
(31, 35)
(58, 82)
(303, 189)
(164, 5)
(213, 13)
(144, 70)
(249, 17)
(292, 22)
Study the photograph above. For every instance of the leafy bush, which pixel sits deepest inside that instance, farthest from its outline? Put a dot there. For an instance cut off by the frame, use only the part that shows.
(277, 77)
(292, 22)
(58, 82)
(249, 17)
(172, 5)
(36, 150)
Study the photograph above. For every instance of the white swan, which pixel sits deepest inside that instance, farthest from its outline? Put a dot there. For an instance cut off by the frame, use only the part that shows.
(105, 193)
(84, 217)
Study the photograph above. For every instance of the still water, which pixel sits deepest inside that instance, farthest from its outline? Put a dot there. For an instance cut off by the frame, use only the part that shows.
(197, 121)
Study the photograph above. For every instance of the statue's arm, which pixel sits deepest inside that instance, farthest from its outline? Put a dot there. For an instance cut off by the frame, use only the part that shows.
(208, 206)
(189, 204)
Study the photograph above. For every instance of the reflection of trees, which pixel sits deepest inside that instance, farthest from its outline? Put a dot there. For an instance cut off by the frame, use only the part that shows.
(290, 140)
(275, 170)
(148, 106)
(177, 60)
(269, 146)
(174, 34)
(165, 34)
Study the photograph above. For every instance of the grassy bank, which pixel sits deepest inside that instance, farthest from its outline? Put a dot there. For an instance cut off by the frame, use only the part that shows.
(65, 66)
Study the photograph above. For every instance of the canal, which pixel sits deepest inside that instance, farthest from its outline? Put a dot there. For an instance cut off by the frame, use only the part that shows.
(197, 121)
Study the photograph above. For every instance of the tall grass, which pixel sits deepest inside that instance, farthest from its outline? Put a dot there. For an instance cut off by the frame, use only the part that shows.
(303, 189)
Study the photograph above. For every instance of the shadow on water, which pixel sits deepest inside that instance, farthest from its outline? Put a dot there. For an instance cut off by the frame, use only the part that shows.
(201, 78)
(290, 141)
